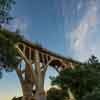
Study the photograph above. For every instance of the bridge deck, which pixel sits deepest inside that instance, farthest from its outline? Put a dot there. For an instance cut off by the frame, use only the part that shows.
(29, 44)
(48, 52)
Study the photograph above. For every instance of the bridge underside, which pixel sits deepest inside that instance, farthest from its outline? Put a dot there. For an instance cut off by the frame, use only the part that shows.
(35, 61)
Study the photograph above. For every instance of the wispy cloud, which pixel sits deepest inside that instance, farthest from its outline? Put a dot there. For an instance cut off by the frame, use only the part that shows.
(79, 6)
(80, 36)
(19, 23)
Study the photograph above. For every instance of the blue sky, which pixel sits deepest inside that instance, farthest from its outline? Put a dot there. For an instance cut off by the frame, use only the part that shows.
(67, 27)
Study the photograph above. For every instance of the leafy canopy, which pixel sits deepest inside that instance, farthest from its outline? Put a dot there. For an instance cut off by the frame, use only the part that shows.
(83, 80)
(8, 53)
(5, 8)
(7, 40)
(55, 94)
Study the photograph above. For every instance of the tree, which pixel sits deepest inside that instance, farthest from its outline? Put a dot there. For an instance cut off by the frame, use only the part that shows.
(83, 81)
(55, 94)
(8, 53)
(5, 8)
(7, 39)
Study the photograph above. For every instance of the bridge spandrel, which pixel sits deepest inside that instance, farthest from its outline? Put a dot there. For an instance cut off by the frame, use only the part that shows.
(45, 56)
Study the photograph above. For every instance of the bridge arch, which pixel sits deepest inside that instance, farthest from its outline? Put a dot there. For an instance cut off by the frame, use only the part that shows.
(56, 64)
(42, 59)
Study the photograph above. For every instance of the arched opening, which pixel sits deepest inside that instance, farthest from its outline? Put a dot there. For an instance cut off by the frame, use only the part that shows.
(50, 72)
(53, 70)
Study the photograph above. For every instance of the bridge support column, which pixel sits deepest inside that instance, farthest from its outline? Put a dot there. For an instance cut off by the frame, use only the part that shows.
(36, 64)
(40, 95)
(27, 91)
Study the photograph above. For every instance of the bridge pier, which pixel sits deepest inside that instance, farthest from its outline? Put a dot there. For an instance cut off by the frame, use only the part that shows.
(40, 95)
(30, 77)
(27, 88)
(37, 61)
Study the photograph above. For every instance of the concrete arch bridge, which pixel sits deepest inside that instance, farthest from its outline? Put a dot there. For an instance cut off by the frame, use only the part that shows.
(36, 61)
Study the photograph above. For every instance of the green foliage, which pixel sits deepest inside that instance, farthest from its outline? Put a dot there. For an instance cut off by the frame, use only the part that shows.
(93, 60)
(8, 53)
(55, 94)
(5, 7)
(83, 80)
